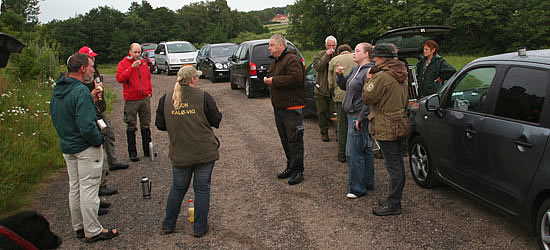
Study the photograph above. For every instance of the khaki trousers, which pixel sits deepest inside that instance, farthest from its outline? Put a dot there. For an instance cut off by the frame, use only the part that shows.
(84, 171)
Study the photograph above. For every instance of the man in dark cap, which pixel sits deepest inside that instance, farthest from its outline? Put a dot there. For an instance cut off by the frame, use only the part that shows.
(386, 91)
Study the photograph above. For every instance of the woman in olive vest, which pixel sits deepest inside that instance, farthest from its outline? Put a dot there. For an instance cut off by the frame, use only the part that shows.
(189, 117)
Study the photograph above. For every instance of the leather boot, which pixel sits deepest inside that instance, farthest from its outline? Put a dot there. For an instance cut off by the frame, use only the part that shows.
(132, 152)
(145, 139)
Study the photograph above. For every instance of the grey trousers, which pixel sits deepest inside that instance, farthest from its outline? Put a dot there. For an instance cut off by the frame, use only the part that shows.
(393, 161)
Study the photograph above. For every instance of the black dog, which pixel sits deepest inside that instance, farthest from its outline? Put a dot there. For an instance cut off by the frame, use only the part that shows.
(17, 231)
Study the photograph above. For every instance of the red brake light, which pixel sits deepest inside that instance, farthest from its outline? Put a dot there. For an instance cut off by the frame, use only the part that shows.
(252, 69)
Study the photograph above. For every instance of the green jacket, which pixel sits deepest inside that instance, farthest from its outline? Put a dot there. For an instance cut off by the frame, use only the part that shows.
(386, 92)
(320, 64)
(74, 117)
(345, 59)
(438, 67)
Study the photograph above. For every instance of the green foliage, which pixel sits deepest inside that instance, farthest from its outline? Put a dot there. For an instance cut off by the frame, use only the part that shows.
(38, 61)
(109, 32)
(481, 26)
(30, 146)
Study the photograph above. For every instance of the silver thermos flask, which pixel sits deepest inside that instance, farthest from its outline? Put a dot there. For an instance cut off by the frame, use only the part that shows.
(151, 151)
(146, 187)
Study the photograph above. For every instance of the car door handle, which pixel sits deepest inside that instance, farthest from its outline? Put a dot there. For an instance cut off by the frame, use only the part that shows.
(470, 132)
(523, 144)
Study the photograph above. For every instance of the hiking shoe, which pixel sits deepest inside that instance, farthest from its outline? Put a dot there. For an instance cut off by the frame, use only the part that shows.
(107, 191)
(117, 166)
(102, 211)
(104, 204)
(80, 233)
(198, 235)
(167, 230)
(385, 210)
(285, 174)
(296, 178)
(324, 137)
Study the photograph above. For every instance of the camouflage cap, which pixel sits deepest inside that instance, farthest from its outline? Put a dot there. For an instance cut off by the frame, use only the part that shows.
(187, 72)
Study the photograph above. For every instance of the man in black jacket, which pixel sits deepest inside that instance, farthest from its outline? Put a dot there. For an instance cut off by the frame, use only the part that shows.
(288, 99)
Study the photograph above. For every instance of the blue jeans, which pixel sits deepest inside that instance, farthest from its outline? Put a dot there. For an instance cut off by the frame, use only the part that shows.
(360, 158)
(201, 186)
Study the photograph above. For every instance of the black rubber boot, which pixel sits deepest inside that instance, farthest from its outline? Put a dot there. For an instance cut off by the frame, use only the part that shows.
(132, 152)
(145, 139)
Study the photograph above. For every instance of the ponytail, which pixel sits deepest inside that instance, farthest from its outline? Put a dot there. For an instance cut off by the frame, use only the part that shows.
(178, 92)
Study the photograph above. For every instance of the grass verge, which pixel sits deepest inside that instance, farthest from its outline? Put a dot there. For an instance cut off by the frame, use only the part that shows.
(29, 144)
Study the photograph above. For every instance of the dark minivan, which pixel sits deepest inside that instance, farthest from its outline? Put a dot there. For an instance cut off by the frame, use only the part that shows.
(487, 132)
(249, 64)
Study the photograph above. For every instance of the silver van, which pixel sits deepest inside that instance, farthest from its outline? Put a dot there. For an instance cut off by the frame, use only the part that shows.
(171, 56)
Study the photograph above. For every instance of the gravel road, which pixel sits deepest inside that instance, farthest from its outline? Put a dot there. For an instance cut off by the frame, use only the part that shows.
(252, 209)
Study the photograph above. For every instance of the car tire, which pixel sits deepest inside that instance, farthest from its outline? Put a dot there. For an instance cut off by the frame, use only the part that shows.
(542, 226)
(155, 69)
(211, 75)
(167, 69)
(420, 162)
(250, 93)
(232, 82)
(202, 76)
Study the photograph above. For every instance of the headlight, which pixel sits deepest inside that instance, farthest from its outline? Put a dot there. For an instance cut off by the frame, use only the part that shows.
(219, 66)
(225, 66)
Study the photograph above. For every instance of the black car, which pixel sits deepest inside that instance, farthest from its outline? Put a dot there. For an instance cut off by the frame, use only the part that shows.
(311, 107)
(487, 132)
(249, 65)
(212, 60)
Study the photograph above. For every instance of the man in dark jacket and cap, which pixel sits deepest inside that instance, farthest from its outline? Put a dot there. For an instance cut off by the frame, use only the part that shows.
(288, 99)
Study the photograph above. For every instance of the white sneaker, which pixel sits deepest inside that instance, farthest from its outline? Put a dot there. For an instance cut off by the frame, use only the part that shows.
(352, 196)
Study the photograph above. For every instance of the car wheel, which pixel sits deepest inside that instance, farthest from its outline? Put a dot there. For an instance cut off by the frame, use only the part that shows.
(248, 89)
(211, 75)
(543, 225)
(232, 82)
(167, 69)
(156, 70)
(421, 165)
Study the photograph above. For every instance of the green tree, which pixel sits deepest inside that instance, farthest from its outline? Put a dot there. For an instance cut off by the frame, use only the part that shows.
(28, 9)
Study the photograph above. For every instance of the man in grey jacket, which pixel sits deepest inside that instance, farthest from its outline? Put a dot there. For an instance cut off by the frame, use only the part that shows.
(358, 146)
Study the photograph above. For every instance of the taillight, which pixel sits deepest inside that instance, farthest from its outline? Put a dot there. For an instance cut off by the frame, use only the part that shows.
(252, 69)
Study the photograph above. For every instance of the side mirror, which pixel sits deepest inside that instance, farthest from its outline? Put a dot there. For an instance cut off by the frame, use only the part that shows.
(162, 53)
(432, 103)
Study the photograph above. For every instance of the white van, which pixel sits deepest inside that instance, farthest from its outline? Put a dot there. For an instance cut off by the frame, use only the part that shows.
(171, 56)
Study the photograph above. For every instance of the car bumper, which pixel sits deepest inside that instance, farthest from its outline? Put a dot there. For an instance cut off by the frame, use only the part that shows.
(175, 67)
(257, 84)
(221, 73)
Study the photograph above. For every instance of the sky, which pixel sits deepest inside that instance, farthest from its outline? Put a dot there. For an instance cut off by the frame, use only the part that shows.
(64, 9)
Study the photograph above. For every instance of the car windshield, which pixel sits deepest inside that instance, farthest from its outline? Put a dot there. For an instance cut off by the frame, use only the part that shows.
(180, 47)
(223, 51)
(149, 46)
(150, 53)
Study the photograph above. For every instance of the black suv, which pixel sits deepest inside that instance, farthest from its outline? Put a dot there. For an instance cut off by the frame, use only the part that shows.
(212, 60)
(487, 132)
(249, 65)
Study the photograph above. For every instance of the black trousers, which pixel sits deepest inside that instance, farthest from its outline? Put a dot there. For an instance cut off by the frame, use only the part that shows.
(290, 125)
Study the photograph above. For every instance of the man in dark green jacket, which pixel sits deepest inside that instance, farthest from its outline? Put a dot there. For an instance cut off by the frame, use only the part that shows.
(73, 115)
(288, 98)
(322, 93)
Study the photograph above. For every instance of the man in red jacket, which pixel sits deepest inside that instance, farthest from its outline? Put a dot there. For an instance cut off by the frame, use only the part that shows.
(134, 75)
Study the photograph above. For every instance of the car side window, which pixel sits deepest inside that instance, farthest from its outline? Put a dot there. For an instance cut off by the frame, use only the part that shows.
(522, 94)
(244, 54)
(207, 52)
(237, 52)
(470, 91)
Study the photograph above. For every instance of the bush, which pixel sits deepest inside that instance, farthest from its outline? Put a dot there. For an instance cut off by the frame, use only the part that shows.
(37, 62)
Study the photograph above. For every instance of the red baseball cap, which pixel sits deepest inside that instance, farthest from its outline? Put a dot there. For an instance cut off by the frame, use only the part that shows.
(87, 50)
